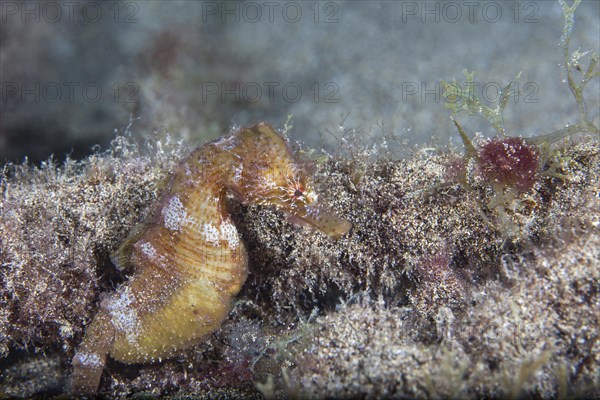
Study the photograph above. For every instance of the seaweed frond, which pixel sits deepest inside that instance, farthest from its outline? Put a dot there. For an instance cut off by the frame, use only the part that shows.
(459, 99)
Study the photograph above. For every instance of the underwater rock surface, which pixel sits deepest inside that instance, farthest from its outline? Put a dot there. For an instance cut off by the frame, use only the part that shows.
(431, 294)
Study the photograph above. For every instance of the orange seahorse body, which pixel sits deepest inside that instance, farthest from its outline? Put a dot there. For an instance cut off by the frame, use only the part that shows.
(188, 259)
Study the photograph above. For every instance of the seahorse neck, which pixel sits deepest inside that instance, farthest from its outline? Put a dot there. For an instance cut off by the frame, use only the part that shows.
(201, 182)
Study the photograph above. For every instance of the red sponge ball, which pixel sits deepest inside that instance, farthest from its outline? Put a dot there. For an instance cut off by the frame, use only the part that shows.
(510, 162)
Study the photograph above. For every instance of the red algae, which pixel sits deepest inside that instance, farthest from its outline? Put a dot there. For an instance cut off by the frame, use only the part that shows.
(510, 162)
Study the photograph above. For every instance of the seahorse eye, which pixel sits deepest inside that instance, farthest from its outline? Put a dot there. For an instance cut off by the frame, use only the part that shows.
(298, 193)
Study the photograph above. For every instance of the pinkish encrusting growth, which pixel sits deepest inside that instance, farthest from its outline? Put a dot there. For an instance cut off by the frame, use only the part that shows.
(439, 283)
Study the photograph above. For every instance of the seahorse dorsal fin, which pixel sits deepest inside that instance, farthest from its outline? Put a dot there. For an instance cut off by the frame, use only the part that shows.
(121, 257)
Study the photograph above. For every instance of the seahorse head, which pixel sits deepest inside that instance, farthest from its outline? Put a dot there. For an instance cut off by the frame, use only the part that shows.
(268, 174)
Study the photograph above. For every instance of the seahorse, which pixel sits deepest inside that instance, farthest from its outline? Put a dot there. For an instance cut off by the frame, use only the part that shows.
(188, 259)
